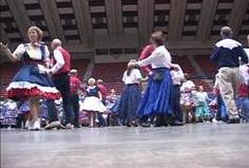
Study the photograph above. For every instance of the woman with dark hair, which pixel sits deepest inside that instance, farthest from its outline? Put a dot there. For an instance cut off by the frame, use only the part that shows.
(147, 50)
(131, 95)
(157, 97)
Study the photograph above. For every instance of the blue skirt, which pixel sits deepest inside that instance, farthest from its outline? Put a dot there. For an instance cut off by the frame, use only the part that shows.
(29, 82)
(157, 99)
(129, 102)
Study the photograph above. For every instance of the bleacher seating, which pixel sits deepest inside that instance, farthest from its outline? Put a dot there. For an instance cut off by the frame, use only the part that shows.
(185, 64)
(207, 84)
(118, 86)
(80, 65)
(7, 72)
(111, 73)
(208, 67)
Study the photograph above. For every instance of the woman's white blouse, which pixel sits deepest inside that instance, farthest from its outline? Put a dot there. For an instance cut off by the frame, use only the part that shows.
(177, 75)
(34, 53)
(134, 77)
(160, 58)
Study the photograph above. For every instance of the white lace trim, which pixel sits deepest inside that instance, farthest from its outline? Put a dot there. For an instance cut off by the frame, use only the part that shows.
(28, 85)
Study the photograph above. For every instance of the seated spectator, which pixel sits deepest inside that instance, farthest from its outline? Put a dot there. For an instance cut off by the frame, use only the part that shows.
(244, 93)
(187, 101)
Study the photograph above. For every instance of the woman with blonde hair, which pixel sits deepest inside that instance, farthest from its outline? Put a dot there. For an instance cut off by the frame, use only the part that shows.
(93, 102)
(32, 81)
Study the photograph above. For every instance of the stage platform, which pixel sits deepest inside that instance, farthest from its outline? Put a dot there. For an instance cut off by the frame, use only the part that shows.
(191, 146)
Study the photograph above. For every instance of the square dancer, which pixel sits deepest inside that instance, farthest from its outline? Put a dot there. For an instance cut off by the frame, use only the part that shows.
(227, 55)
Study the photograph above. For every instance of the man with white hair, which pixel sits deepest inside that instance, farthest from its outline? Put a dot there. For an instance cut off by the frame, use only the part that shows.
(60, 75)
(227, 55)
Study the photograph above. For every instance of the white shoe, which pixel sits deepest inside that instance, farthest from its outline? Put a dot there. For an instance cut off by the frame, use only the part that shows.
(69, 126)
(54, 124)
(29, 125)
(26, 125)
(37, 125)
(214, 120)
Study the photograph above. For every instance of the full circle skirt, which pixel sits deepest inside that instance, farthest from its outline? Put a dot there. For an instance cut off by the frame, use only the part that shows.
(93, 103)
(29, 82)
(157, 99)
(129, 102)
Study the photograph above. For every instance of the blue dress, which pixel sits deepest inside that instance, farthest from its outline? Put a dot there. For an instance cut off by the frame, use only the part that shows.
(129, 102)
(92, 101)
(30, 82)
(93, 92)
(157, 98)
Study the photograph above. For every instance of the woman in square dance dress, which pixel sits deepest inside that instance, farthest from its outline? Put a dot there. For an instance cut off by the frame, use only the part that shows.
(131, 95)
(32, 81)
(157, 97)
(93, 102)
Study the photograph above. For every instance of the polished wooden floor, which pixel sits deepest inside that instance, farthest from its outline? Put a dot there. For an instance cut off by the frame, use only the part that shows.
(190, 146)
